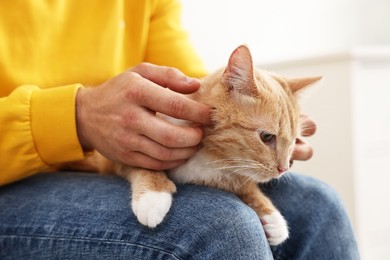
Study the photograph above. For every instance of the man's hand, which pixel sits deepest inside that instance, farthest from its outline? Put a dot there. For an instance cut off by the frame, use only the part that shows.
(303, 150)
(118, 118)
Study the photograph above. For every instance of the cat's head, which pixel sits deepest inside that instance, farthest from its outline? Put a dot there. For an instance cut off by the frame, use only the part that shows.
(256, 118)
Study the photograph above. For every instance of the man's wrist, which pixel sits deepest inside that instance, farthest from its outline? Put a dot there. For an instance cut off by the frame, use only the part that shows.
(80, 120)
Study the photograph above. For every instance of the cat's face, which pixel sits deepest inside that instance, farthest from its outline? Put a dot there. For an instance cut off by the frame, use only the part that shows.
(256, 118)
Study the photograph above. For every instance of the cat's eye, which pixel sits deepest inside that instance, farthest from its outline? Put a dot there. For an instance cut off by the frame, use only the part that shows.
(267, 138)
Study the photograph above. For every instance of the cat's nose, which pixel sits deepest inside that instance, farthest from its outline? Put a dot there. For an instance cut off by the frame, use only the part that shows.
(282, 169)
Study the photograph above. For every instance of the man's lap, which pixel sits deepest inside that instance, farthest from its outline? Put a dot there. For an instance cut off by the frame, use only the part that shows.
(81, 215)
(74, 214)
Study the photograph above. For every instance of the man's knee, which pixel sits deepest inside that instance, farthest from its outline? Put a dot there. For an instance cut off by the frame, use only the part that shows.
(223, 227)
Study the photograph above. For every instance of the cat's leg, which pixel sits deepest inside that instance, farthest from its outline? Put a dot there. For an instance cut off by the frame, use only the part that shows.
(273, 222)
(151, 194)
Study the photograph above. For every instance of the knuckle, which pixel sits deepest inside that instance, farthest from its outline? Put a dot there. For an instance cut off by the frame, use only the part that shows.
(169, 139)
(129, 144)
(119, 140)
(132, 143)
(172, 72)
(308, 127)
(130, 118)
(182, 137)
(142, 67)
(164, 154)
(135, 92)
(130, 76)
(177, 107)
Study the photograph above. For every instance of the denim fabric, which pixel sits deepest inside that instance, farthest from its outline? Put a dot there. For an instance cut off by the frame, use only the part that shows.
(318, 223)
(87, 216)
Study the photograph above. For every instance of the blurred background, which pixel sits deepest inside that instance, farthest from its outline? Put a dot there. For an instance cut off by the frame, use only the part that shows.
(347, 42)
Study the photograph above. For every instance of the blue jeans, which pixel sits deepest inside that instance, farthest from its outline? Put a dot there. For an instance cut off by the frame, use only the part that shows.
(87, 216)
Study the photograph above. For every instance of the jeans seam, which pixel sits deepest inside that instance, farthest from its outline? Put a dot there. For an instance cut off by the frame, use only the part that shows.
(87, 239)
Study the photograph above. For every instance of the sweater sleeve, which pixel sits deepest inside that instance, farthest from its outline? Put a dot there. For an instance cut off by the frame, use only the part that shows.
(168, 43)
(37, 131)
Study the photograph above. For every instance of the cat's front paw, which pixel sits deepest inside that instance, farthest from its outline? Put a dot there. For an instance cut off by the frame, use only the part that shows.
(275, 227)
(151, 207)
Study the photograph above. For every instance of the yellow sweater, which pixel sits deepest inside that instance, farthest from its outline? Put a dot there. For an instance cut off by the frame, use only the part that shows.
(49, 49)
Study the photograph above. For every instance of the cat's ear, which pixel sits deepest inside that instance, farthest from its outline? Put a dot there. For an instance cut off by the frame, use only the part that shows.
(238, 75)
(296, 84)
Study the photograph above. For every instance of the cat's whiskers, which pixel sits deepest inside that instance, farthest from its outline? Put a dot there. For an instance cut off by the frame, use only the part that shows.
(251, 170)
(248, 179)
(238, 168)
(231, 159)
(286, 177)
(241, 161)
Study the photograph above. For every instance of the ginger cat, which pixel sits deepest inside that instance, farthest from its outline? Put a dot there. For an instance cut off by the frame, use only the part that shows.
(256, 123)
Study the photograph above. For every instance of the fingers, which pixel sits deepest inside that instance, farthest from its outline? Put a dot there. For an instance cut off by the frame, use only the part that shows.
(179, 106)
(138, 159)
(150, 95)
(153, 143)
(120, 115)
(308, 126)
(167, 134)
(302, 150)
(157, 151)
(146, 153)
(168, 77)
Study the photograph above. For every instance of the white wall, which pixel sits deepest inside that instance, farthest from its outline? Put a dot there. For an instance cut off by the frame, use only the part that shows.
(284, 29)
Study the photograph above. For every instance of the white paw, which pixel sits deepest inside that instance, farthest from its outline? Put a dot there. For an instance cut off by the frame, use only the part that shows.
(152, 207)
(275, 227)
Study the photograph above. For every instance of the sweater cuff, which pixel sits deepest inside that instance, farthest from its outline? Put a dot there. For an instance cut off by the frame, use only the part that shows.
(53, 124)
